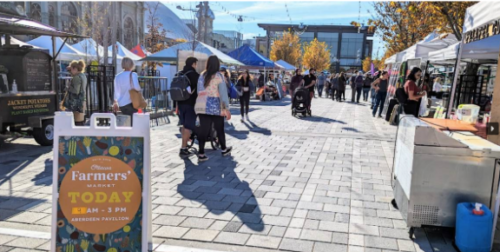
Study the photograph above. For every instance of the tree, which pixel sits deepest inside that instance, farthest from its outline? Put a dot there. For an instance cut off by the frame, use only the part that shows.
(403, 24)
(316, 55)
(286, 48)
(94, 24)
(156, 34)
(452, 14)
(367, 64)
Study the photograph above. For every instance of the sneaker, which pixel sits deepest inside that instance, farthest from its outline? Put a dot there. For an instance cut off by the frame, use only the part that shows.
(184, 153)
(379, 116)
(227, 151)
(202, 158)
(373, 115)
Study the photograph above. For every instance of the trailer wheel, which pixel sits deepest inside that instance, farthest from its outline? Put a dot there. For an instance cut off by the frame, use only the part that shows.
(44, 136)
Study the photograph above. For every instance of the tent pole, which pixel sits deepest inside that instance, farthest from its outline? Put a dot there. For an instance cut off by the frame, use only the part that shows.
(456, 72)
(54, 64)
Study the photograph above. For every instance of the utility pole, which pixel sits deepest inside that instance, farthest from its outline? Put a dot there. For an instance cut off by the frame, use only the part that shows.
(205, 17)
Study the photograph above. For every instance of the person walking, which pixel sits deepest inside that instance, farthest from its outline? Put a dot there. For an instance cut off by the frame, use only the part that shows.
(372, 90)
(124, 82)
(414, 93)
(297, 81)
(321, 84)
(212, 106)
(244, 85)
(310, 83)
(328, 85)
(187, 116)
(335, 86)
(352, 83)
(367, 83)
(359, 81)
(380, 86)
(342, 83)
(75, 99)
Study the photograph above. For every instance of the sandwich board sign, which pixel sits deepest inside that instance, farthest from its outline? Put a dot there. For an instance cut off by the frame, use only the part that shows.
(102, 185)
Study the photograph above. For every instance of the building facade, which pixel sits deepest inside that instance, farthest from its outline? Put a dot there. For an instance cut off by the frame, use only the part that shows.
(235, 37)
(70, 17)
(348, 44)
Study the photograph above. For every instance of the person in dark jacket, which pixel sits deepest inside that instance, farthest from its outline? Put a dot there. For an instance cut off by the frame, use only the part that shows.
(341, 86)
(297, 81)
(187, 116)
(244, 86)
(367, 84)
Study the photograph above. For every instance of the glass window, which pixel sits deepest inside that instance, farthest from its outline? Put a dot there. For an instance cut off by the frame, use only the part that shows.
(352, 44)
(349, 62)
(331, 39)
(306, 37)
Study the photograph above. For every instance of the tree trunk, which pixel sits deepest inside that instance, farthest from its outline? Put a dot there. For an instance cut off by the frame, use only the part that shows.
(452, 24)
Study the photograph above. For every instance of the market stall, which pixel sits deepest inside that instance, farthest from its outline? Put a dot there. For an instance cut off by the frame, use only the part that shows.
(66, 53)
(27, 78)
(256, 61)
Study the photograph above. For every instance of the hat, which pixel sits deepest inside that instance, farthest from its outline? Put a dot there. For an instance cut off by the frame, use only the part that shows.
(312, 69)
(222, 69)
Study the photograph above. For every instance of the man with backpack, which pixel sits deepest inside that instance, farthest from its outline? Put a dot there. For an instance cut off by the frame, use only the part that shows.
(183, 90)
(359, 85)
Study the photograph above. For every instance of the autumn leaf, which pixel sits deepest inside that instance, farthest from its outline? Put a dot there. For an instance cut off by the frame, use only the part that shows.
(316, 55)
(287, 48)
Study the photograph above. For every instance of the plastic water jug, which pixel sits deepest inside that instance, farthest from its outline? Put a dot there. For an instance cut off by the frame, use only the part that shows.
(473, 231)
(468, 113)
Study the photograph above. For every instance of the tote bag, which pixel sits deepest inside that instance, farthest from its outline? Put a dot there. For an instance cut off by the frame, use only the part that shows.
(136, 97)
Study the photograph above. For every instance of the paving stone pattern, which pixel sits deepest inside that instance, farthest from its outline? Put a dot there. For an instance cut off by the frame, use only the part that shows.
(313, 184)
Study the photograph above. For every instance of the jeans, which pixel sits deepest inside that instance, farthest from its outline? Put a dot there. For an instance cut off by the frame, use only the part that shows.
(244, 103)
(366, 90)
(358, 91)
(205, 128)
(379, 100)
(320, 90)
(372, 95)
(353, 93)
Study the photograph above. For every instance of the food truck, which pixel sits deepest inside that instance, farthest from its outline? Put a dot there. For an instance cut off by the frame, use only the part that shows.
(28, 97)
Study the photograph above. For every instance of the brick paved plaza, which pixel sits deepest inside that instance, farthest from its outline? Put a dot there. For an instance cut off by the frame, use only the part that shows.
(319, 184)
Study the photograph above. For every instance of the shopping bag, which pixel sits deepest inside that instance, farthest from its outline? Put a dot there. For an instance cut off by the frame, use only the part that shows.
(423, 111)
(260, 92)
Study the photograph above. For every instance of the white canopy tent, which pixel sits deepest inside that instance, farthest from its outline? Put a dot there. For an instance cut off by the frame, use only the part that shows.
(68, 53)
(431, 43)
(169, 55)
(122, 52)
(14, 41)
(391, 60)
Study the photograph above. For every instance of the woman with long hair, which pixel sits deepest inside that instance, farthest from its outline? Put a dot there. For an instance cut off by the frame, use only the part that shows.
(244, 86)
(75, 98)
(380, 86)
(414, 93)
(212, 106)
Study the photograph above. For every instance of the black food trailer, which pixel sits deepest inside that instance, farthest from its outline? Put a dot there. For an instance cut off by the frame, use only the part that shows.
(28, 95)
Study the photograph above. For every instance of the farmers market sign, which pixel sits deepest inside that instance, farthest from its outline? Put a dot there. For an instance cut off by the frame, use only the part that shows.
(100, 185)
(482, 32)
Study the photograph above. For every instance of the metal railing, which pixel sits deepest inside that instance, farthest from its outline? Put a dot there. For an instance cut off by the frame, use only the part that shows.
(155, 91)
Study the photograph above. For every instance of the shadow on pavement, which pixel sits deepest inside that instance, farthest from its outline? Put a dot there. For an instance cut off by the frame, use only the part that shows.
(314, 118)
(44, 178)
(351, 129)
(215, 185)
(16, 157)
(11, 206)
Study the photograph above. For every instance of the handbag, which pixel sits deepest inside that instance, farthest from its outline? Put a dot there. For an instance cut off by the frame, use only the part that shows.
(138, 101)
(73, 102)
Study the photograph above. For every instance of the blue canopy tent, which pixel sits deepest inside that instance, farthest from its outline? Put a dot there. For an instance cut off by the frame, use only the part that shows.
(286, 65)
(251, 58)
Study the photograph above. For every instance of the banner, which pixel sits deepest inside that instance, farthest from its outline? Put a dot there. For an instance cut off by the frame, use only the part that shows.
(100, 174)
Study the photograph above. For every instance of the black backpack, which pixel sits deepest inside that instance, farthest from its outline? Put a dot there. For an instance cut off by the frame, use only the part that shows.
(401, 96)
(178, 88)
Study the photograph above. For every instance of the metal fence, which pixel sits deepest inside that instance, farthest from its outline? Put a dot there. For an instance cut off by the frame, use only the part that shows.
(471, 89)
(100, 89)
(154, 90)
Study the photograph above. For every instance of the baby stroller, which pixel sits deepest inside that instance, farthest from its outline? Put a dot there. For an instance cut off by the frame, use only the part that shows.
(301, 101)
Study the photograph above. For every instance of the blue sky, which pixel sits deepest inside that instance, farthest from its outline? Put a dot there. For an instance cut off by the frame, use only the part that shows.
(307, 12)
